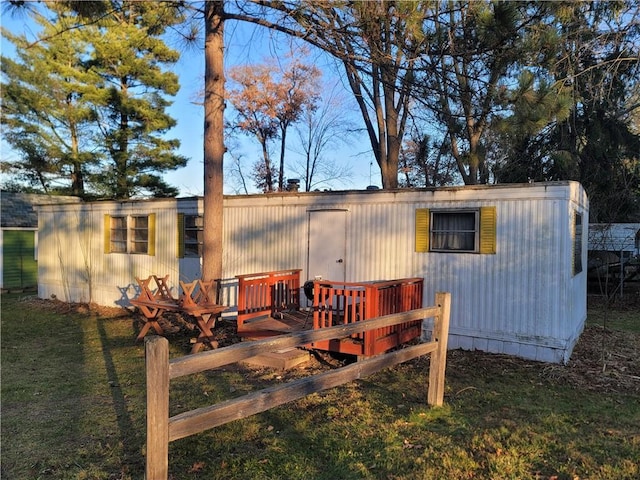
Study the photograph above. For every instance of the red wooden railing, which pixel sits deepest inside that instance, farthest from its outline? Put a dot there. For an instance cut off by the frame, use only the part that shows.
(335, 303)
(265, 293)
(341, 303)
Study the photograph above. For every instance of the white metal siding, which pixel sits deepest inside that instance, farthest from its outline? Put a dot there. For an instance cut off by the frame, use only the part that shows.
(73, 265)
(615, 237)
(263, 238)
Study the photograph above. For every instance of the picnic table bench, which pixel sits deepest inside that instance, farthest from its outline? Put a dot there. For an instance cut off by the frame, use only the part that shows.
(196, 299)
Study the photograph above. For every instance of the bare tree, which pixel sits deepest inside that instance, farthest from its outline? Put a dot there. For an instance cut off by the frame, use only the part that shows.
(255, 114)
(321, 130)
(271, 98)
(376, 42)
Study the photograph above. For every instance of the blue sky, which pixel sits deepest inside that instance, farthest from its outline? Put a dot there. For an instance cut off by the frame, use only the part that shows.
(244, 44)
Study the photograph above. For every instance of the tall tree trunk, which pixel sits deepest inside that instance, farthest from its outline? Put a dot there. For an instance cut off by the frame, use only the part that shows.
(282, 148)
(268, 172)
(77, 178)
(213, 139)
(121, 156)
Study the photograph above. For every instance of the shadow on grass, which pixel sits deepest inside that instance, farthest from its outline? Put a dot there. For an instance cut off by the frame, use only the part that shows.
(130, 435)
(73, 406)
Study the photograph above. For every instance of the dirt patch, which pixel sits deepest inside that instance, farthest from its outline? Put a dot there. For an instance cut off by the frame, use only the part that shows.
(59, 306)
(629, 302)
(603, 360)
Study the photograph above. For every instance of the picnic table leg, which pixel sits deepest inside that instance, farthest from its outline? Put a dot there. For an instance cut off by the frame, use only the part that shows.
(205, 323)
(151, 317)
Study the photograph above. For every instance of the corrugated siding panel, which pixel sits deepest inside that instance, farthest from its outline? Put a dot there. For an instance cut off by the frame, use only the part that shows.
(264, 238)
(521, 295)
(120, 269)
(514, 294)
(380, 242)
(614, 237)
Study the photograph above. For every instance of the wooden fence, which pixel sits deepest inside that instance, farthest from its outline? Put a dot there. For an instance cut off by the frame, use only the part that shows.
(162, 429)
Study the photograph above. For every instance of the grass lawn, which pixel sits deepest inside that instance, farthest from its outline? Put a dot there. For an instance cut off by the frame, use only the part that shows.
(73, 407)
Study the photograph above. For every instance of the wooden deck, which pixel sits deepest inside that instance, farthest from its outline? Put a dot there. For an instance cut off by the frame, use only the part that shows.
(269, 305)
(280, 323)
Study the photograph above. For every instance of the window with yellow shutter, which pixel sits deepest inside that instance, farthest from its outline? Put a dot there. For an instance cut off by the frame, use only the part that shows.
(193, 235)
(471, 230)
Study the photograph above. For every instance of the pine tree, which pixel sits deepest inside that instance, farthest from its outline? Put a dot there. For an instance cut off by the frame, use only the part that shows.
(46, 116)
(129, 55)
(111, 69)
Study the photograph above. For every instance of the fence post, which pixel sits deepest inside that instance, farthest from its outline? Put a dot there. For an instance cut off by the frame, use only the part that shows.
(157, 369)
(435, 395)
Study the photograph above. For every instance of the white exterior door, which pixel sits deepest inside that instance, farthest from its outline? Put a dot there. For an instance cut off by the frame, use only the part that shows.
(327, 245)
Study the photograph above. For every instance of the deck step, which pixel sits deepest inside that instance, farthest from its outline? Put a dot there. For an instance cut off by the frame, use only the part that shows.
(281, 359)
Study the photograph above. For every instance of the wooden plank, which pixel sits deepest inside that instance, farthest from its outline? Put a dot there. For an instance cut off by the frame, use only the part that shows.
(281, 360)
(276, 273)
(199, 420)
(157, 368)
(155, 304)
(241, 351)
(435, 394)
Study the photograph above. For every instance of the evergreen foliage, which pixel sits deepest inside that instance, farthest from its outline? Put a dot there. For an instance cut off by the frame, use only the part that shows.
(85, 104)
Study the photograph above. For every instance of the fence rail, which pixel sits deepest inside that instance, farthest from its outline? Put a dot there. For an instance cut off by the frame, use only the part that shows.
(162, 429)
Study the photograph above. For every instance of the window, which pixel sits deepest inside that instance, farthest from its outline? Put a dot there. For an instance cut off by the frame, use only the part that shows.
(139, 234)
(190, 235)
(118, 235)
(577, 243)
(129, 234)
(454, 231)
(461, 231)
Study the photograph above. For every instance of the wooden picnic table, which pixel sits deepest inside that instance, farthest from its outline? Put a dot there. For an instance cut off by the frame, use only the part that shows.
(197, 300)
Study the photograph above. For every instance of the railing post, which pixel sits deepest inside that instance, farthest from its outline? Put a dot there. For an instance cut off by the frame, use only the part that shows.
(435, 395)
(157, 369)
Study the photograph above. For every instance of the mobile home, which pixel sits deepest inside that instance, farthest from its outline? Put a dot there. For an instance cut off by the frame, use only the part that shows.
(512, 256)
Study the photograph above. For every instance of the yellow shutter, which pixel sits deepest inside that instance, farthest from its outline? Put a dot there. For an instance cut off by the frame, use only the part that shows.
(106, 234)
(151, 247)
(180, 236)
(422, 230)
(488, 230)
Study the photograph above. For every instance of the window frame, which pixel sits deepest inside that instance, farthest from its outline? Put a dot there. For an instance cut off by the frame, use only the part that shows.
(139, 235)
(486, 229)
(454, 211)
(188, 242)
(123, 230)
(576, 241)
(134, 239)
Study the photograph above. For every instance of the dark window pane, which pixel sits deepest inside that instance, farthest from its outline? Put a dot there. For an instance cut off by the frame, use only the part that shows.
(454, 231)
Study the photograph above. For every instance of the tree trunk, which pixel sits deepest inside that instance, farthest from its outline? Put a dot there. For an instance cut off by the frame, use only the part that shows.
(213, 139)
(268, 173)
(282, 149)
(77, 178)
